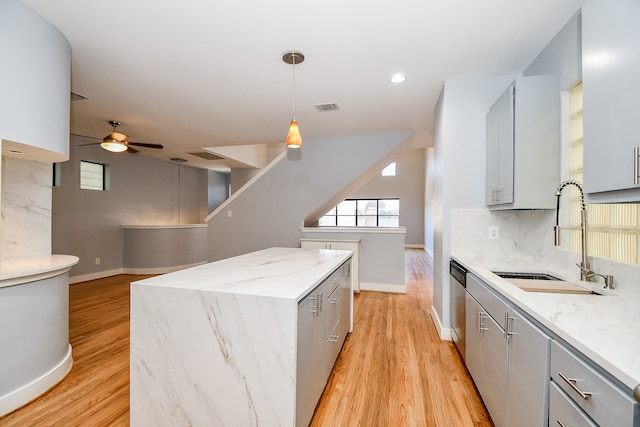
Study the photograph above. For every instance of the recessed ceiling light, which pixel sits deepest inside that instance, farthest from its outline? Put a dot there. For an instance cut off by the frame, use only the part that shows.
(398, 78)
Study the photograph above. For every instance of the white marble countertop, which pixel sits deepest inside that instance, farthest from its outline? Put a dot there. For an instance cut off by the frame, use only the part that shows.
(603, 327)
(16, 271)
(288, 273)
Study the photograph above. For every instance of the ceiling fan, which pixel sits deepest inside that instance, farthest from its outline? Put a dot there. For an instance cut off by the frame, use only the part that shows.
(116, 141)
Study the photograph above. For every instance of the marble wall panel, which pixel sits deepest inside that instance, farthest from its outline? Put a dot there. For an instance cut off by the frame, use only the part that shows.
(26, 208)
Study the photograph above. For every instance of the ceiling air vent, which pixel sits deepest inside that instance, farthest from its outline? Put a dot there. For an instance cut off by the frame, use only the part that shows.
(327, 107)
(75, 96)
(207, 156)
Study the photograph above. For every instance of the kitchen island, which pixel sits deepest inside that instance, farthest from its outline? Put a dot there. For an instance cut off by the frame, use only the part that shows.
(219, 344)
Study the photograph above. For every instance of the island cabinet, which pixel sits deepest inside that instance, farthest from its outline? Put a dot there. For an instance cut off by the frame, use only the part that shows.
(244, 341)
(523, 145)
(611, 88)
(321, 333)
(507, 357)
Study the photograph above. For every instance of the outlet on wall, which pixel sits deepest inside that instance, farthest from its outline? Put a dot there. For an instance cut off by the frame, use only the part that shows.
(229, 213)
(494, 232)
(97, 261)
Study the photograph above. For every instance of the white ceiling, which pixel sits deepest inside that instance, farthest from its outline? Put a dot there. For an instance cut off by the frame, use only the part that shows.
(200, 73)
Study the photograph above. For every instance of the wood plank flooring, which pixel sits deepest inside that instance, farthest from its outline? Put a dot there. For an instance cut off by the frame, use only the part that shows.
(392, 371)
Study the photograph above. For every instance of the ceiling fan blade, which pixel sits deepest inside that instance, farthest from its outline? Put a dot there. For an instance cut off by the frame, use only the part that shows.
(85, 136)
(88, 144)
(131, 150)
(142, 144)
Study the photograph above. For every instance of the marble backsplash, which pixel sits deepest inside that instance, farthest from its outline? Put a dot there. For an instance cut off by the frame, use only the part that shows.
(25, 208)
(528, 234)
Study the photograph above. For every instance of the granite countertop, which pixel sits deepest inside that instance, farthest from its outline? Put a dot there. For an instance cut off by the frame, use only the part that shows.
(17, 271)
(603, 327)
(289, 273)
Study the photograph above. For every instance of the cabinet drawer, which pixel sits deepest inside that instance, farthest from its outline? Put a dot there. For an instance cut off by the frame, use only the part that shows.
(563, 412)
(598, 397)
(491, 303)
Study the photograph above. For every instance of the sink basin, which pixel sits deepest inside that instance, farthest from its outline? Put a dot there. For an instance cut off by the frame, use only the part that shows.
(542, 282)
(528, 276)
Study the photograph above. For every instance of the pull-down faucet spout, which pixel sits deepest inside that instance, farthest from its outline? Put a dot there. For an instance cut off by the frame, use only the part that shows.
(585, 269)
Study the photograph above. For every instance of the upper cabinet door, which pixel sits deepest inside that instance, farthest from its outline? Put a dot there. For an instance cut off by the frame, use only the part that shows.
(611, 96)
(500, 120)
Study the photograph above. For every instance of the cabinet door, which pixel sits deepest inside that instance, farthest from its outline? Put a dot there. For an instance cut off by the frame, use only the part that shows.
(473, 345)
(494, 371)
(611, 88)
(528, 381)
(311, 356)
(500, 120)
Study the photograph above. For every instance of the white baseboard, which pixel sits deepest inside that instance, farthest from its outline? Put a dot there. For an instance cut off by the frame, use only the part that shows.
(20, 397)
(159, 270)
(94, 276)
(108, 273)
(383, 287)
(444, 333)
(414, 246)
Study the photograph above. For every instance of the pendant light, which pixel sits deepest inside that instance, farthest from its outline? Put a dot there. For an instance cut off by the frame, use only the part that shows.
(294, 139)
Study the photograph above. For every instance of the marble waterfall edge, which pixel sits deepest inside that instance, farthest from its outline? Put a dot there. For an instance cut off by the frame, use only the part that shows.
(214, 366)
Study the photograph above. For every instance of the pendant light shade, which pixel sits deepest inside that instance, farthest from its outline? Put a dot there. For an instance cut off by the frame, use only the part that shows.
(294, 139)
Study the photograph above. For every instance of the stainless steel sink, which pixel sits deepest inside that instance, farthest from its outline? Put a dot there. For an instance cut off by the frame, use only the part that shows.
(530, 276)
(543, 282)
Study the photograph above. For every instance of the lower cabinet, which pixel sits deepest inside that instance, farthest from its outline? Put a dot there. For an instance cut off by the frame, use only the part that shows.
(508, 359)
(323, 325)
(564, 412)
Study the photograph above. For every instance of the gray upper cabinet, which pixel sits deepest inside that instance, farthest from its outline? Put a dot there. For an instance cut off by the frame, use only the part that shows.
(523, 145)
(611, 89)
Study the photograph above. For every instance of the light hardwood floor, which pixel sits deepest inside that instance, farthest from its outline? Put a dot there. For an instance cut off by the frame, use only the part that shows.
(392, 371)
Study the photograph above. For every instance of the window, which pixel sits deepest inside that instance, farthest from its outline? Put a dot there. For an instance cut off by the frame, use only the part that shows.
(363, 213)
(92, 176)
(389, 170)
(613, 229)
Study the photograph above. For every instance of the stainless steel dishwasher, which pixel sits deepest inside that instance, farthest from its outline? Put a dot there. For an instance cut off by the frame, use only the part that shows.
(457, 289)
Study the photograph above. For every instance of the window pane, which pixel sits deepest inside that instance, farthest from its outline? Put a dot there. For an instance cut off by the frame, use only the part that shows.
(389, 207)
(388, 221)
(389, 170)
(367, 207)
(346, 221)
(91, 176)
(332, 211)
(327, 221)
(367, 221)
(348, 207)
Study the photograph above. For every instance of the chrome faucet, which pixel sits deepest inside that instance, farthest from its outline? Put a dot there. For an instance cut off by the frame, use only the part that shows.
(585, 269)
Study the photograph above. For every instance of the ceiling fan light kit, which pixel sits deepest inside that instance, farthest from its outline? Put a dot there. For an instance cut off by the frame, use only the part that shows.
(294, 139)
(114, 146)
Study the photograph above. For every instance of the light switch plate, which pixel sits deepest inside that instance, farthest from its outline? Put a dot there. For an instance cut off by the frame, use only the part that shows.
(494, 232)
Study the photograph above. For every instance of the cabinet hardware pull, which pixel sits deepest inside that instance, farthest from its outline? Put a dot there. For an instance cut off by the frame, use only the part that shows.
(572, 383)
(636, 167)
(333, 338)
(507, 326)
(333, 300)
(560, 423)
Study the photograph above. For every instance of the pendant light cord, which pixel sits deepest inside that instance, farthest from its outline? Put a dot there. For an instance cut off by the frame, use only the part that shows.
(293, 58)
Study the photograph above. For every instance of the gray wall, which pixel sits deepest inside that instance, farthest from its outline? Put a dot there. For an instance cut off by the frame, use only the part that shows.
(142, 191)
(270, 209)
(408, 186)
(218, 189)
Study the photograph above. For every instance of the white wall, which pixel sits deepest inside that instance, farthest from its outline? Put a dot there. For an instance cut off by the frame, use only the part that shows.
(269, 210)
(408, 186)
(457, 176)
